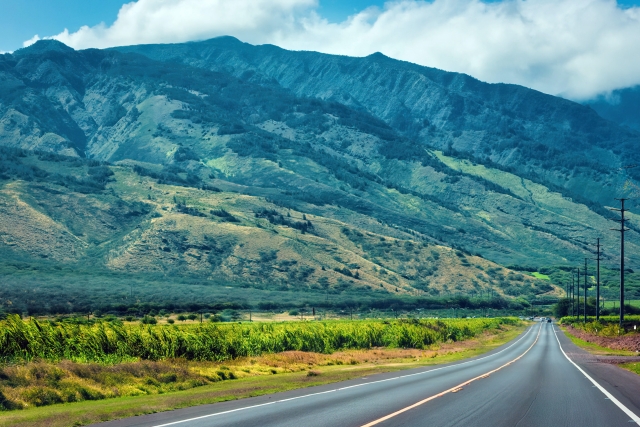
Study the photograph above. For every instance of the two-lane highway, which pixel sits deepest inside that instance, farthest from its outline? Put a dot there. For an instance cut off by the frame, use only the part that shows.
(527, 382)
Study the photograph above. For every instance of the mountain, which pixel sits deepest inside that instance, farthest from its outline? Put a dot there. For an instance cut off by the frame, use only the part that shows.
(547, 139)
(193, 172)
(621, 107)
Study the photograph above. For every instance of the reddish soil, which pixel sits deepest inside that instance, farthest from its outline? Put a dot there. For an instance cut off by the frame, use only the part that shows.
(629, 342)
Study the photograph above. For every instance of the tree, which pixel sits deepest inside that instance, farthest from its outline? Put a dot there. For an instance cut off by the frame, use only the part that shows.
(562, 308)
(149, 320)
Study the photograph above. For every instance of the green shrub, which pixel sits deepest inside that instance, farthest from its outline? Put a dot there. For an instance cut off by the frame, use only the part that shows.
(41, 396)
(149, 320)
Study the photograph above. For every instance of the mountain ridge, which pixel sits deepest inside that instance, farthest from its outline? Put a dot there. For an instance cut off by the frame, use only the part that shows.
(446, 115)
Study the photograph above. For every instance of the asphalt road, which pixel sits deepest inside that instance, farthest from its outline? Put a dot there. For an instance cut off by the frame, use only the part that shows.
(527, 382)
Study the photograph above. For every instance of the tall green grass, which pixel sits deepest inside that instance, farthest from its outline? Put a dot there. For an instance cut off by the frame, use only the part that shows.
(109, 343)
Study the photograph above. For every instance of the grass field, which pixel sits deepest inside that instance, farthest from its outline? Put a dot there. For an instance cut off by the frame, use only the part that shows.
(110, 342)
(47, 363)
(616, 303)
(293, 370)
(540, 276)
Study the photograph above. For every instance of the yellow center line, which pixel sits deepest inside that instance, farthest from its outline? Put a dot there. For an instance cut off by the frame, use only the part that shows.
(452, 389)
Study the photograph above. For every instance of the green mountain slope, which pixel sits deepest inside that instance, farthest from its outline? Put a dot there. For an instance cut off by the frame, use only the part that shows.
(181, 176)
(621, 106)
(178, 243)
(547, 139)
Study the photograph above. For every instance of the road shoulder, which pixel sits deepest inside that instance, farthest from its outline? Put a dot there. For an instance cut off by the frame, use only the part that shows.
(621, 383)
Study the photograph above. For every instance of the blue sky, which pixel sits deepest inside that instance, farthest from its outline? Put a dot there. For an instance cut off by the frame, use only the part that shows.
(572, 48)
(20, 20)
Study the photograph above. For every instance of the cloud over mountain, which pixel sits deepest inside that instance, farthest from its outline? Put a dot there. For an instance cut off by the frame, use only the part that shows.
(573, 48)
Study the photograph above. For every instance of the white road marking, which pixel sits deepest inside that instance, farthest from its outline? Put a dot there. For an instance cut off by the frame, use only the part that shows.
(452, 389)
(608, 395)
(341, 388)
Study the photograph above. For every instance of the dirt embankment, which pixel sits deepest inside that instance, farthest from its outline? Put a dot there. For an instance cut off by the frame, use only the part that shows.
(629, 342)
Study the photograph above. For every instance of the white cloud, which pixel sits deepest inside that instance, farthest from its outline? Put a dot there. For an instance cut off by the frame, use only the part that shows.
(171, 21)
(31, 41)
(572, 48)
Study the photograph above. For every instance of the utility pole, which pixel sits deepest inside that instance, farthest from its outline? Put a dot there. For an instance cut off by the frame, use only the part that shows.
(622, 229)
(566, 293)
(585, 290)
(598, 280)
(578, 296)
(572, 292)
(576, 293)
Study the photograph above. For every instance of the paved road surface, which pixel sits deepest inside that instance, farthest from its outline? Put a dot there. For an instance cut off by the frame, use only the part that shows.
(530, 382)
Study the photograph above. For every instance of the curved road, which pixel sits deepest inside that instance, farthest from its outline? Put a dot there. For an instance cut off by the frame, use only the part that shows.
(527, 382)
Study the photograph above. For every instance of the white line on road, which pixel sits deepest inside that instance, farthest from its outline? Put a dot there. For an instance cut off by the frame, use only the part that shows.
(452, 389)
(341, 388)
(619, 404)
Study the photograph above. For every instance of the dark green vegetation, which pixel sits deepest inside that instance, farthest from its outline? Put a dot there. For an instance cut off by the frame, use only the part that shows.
(621, 106)
(111, 342)
(131, 180)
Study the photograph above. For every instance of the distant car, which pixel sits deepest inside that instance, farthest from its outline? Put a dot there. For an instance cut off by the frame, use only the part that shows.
(548, 320)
